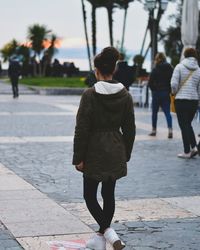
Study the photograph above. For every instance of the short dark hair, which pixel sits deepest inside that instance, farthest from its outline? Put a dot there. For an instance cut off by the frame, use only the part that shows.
(105, 62)
(190, 52)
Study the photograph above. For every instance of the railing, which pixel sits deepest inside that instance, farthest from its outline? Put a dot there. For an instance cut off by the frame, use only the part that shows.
(139, 94)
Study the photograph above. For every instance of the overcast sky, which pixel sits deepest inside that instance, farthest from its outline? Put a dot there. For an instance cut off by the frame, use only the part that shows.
(64, 18)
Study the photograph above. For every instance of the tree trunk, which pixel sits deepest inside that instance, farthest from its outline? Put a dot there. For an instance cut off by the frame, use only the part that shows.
(110, 22)
(94, 41)
(124, 27)
(39, 66)
(86, 34)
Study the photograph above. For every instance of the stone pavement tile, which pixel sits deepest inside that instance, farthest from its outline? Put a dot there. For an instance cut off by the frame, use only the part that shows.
(38, 228)
(25, 139)
(11, 182)
(181, 234)
(133, 210)
(32, 216)
(30, 210)
(41, 243)
(162, 133)
(7, 241)
(36, 113)
(21, 194)
(191, 204)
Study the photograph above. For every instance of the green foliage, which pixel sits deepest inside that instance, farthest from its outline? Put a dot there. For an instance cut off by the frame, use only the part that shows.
(37, 34)
(75, 82)
(124, 4)
(138, 60)
(123, 50)
(9, 49)
(24, 52)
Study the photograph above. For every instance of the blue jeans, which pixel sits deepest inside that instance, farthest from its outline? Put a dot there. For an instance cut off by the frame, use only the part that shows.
(161, 99)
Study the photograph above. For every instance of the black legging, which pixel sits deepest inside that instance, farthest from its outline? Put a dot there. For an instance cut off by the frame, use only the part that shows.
(102, 216)
(185, 110)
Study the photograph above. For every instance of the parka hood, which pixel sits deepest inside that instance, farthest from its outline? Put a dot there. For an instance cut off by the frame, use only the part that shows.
(108, 88)
(112, 95)
(190, 63)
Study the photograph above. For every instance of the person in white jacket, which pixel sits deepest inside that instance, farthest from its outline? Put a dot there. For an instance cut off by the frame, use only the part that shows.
(185, 84)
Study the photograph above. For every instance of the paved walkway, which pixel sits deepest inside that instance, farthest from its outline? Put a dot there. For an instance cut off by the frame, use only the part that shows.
(5, 88)
(41, 202)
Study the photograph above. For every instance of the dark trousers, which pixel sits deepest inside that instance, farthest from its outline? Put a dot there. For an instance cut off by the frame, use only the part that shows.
(104, 215)
(14, 82)
(161, 99)
(186, 110)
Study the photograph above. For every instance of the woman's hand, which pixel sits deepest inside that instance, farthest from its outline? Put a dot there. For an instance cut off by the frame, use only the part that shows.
(80, 166)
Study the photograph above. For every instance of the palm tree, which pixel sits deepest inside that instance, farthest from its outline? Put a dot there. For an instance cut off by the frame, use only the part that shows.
(49, 53)
(95, 4)
(109, 5)
(124, 4)
(9, 50)
(37, 34)
(86, 33)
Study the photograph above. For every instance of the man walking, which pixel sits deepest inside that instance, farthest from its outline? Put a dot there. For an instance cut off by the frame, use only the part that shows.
(14, 71)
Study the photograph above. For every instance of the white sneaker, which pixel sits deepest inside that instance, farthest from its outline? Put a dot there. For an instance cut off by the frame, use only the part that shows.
(97, 242)
(193, 152)
(184, 155)
(112, 238)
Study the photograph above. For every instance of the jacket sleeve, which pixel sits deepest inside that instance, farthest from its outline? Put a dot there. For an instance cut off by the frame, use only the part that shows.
(151, 82)
(82, 129)
(129, 128)
(175, 80)
(199, 94)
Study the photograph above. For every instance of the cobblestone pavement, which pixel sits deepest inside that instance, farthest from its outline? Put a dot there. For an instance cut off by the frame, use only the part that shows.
(7, 240)
(153, 172)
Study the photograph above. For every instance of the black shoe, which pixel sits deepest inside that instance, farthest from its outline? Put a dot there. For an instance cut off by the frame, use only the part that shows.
(170, 135)
(153, 133)
(198, 148)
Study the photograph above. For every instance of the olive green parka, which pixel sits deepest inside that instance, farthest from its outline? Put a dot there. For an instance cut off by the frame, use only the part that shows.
(104, 134)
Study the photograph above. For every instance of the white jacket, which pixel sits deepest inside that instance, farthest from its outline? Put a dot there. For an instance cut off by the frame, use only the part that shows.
(191, 88)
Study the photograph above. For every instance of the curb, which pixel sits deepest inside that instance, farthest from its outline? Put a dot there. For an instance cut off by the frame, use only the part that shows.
(57, 91)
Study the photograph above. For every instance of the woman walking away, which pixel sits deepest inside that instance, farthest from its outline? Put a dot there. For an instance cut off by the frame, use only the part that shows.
(185, 85)
(103, 141)
(159, 83)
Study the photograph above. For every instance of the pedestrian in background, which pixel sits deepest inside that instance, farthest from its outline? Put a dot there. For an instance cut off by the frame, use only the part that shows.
(14, 72)
(0, 68)
(159, 83)
(185, 85)
(123, 73)
(103, 141)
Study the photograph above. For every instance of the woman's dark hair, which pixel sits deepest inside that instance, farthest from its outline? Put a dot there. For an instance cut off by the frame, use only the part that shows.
(105, 62)
(190, 52)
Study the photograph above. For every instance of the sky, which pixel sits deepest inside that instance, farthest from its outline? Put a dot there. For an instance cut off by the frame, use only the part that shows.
(64, 18)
